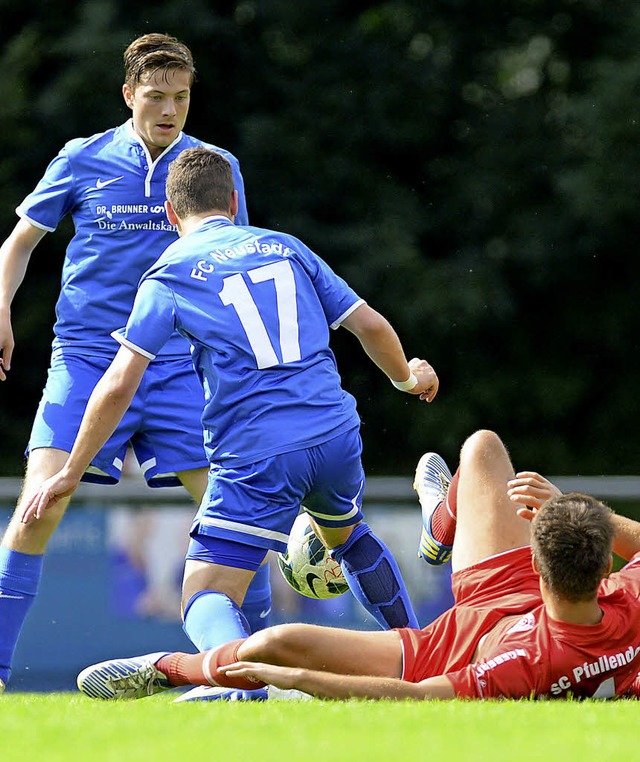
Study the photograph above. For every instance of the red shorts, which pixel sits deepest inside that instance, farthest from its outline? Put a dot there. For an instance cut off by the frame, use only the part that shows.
(500, 586)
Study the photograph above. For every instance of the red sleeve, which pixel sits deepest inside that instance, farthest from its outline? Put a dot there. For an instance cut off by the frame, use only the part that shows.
(506, 675)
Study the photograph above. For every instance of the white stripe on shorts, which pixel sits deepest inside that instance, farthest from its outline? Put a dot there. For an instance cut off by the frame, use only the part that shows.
(234, 526)
(150, 463)
(333, 516)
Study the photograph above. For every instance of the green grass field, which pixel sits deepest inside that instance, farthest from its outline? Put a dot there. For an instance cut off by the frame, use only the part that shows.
(57, 727)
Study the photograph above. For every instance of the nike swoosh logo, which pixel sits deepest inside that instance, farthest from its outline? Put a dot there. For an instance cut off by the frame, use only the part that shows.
(265, 613)
(103, 183)
(311, 579)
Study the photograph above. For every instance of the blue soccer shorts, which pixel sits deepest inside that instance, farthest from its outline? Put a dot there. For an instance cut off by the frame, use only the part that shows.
(256, 505)
(163, 423)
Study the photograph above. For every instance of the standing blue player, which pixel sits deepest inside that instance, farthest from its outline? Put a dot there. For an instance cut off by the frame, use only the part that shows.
(113, 186)
(256, 306)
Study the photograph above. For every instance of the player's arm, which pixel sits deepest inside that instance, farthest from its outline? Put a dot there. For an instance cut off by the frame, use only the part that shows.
(626, 542)
(380, 341)
(107, 404)
(14, 258)
(333, 686)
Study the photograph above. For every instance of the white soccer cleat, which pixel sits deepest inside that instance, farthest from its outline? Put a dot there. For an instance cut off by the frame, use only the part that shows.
(2, 686)
(215, 693)
(124, 678)
(431, 482)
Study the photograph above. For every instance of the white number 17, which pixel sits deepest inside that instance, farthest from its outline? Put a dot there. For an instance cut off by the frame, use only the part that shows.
(236, 293)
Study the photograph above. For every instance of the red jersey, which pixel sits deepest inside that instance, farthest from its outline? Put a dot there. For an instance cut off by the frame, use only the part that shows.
(529, 654)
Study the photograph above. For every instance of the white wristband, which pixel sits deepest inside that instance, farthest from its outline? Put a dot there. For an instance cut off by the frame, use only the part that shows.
(406, 386)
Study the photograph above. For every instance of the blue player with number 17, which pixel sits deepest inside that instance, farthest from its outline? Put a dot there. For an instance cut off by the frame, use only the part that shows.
(256, 306)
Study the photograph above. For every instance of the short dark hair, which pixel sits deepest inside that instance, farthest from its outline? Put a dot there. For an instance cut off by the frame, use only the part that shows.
(199, 180)
(155, 52)
(572, 540)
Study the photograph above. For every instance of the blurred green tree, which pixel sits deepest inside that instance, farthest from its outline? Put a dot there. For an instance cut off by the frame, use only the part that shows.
(469, 168)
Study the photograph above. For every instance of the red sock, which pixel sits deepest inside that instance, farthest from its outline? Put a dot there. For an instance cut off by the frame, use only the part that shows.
(202, 669)
(180, 668)
(443, 519)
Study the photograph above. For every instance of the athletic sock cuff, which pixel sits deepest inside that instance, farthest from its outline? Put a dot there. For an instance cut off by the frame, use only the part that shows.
(339, 551)
(20, 572)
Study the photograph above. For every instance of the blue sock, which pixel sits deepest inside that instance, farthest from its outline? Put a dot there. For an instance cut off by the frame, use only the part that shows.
(375, 579)
(212, 618)
(19, 581)
(257, 601)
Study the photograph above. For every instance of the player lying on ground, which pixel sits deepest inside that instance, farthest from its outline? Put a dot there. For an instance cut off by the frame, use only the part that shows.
(257, 306)
(536, 611)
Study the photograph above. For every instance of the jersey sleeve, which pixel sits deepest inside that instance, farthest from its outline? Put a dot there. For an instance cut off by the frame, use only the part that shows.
(506, 675)
(338, 299)
(52, 198)
(152, 320)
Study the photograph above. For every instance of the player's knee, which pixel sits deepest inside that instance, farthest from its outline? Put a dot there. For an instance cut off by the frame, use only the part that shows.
(331, 537)
(482, 446)
(271, 645)
(34, 536)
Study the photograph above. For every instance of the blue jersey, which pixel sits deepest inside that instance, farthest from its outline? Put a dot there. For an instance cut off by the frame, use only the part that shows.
(115, 194)
(256, 306)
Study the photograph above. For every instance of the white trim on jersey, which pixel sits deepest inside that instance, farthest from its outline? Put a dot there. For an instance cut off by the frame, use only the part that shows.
(345, 315)
(35, 224)
(126, 343)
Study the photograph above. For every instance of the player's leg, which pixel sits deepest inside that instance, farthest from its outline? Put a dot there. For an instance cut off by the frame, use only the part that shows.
(70, 381)
(245, 513)
(330, 649)
(437, 491)
(33, 537)
(305, 646)
(212, 600)
(213, 605)
(487, 522)
(213, 593)
(327, 649)
(469, 516)
(22, 552)
(257, 600)
(212, 614)
(368, 565)
(247, 510)
(195, 482)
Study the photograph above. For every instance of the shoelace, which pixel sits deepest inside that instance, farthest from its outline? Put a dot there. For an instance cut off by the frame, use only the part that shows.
(141, 681)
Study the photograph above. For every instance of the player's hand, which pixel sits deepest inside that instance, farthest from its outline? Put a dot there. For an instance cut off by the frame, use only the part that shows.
(281, 677)
(428, 383)
(6, 344)
(530, 490)
(49, 492)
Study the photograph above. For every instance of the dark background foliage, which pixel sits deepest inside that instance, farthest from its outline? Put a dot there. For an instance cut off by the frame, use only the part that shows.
(470, 168)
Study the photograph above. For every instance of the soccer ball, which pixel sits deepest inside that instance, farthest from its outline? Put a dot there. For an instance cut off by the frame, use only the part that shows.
(307, 566)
